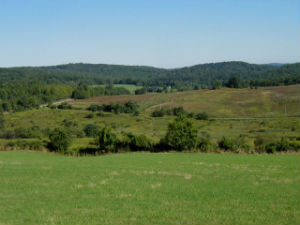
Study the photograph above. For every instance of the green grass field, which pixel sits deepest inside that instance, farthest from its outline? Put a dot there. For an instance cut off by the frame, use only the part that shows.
(144, 188)
(225, 102)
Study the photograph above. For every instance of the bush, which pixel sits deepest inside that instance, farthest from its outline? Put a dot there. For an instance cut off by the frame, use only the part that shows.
(106, 140)
(241, 144)
(260, 144)
(100, 114)
(217, 84)
(283, 145)
(138, 142)
(202, 116)
(78, 133)
(89, 116)
(69, 123)
(32, 132)
(64, 106)
(191, 115)
(295, 146)
(24, 144)
(8, 134)
(140, 91)
(181, 135)
(205, 145)
(91, 130)
(94, 108)
(159, 112)
(177, 111)
(270, 148)
(227, 144)
(128, 107)
(60, 140)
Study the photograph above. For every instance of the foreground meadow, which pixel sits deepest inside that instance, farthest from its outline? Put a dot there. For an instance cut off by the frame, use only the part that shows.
(144, 188)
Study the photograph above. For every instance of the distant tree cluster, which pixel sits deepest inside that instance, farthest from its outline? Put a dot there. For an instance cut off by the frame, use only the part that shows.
(18, 96)
(83, 91)
(177, 111)
(127, 107)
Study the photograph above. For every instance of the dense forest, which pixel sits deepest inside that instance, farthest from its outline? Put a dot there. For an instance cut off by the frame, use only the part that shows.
(21, 95)
(29, 87)
(203, 75)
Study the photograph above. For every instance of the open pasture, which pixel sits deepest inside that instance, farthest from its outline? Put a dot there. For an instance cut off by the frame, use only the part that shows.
(143, 188)
(225, 102)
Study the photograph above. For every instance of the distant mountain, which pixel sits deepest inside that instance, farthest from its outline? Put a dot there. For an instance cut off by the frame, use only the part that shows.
(202, 74)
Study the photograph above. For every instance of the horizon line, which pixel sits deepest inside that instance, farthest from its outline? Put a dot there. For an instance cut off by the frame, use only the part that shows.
(136, 65)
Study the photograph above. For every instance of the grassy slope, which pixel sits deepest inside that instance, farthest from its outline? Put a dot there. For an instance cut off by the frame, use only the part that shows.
(141, 188)
(268, 101)
(234, 122)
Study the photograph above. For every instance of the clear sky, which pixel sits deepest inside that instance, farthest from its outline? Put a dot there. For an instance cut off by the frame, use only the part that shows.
(162, 33)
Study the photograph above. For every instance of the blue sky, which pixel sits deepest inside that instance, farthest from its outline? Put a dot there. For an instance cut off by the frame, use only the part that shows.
(162, 33)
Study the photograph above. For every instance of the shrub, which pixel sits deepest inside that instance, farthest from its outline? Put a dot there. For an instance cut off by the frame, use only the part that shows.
(52, 106)
(283, 145)
(60, 140)
(140, 91)
(181, 135)
(295, 146)
(241, 144)
(159, 112)
(227, 144)
(94, 108)
(138, 142)
(177, 111)
(78, 133)
(64, 106)
(270, 148)
(128, 107)
(8, 134)
(205, 145)
(100, 114)
(260, 144)
(91, 130)
(106, 140)
(32, 132)
(202, 116)
(68, 123)
(217, 84)
(89, 116)
(191, 115)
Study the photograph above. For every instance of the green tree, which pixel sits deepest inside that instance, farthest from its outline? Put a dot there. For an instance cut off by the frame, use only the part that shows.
(181, 134)
(60, 140)
(2, 121)
(202, 116)
(106, 140)
(234, 82)
(91, 130)
(141, 91)
(138, 142)
(217, 84)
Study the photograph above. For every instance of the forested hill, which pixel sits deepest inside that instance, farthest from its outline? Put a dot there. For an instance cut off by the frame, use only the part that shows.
(202, 74)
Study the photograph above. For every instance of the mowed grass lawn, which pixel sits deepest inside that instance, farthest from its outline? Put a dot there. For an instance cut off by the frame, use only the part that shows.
(145, 188)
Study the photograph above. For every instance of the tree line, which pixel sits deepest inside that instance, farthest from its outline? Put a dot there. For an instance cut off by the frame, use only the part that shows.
(180, 136)
(21, 95)
(203, 75)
